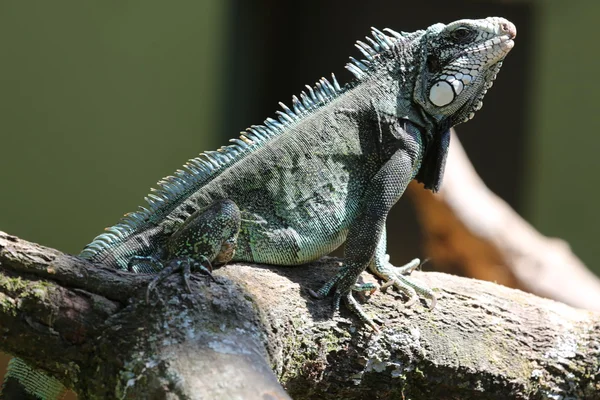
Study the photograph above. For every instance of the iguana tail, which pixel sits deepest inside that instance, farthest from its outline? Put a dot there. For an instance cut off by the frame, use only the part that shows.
(23, 382)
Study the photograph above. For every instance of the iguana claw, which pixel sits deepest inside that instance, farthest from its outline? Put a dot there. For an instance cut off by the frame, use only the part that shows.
(349, 299)
(183, 264)
(393, 276)
(353, 305)
(396, 277)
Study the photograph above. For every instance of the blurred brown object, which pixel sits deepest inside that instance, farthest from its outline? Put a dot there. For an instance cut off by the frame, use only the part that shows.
(470, 231)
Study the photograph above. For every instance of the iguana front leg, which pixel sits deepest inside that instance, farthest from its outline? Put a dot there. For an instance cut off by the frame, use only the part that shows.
(365, 232)
(396, 276)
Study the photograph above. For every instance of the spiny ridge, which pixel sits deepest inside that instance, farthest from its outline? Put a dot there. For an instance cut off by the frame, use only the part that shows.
(197, 172)
(379, 44)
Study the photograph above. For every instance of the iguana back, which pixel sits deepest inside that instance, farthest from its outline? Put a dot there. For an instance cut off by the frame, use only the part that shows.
(281, 176)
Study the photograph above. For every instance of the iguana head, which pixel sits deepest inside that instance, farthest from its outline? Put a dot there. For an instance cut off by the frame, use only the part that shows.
(459, 63)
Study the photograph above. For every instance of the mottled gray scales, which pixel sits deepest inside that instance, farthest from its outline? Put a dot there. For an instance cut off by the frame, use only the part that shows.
(328, 169)
(210, 233)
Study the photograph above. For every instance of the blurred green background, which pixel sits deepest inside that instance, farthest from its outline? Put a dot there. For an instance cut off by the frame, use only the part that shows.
(98, 100)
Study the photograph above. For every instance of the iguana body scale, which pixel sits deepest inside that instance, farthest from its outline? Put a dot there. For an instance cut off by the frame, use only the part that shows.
(326, 171)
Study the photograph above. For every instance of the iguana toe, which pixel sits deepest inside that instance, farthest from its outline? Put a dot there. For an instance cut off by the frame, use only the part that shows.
(185, 265)
(396, 277)
(356, 308)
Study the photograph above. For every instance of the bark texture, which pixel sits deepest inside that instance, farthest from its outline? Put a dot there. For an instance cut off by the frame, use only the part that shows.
(97, 333)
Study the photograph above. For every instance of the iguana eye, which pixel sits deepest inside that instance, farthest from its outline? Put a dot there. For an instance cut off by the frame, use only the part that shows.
(462, 35)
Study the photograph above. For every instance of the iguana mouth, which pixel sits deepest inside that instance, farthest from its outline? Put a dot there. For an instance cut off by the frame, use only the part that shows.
(507, 41)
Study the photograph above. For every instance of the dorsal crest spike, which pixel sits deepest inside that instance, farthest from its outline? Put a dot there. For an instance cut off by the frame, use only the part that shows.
(336, 85)
(359, 64)
(283, 117)
(297, 104)
(306, 100)
(312, 94)
(375, 45)
(287, 110)
(384, 39)
(319, 92)
(273, 124)
(330, 89)
(324, 88)
(246, 139)
(357, 72)
(364, 51)
(392, 32)
(367, 48)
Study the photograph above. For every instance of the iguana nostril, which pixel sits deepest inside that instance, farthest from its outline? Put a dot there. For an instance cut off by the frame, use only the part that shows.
(510, 29)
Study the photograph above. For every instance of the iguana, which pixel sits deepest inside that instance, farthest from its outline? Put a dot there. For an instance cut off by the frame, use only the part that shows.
(326, 171)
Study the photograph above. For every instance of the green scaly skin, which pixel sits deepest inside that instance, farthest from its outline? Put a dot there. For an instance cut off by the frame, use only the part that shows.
(327, 171)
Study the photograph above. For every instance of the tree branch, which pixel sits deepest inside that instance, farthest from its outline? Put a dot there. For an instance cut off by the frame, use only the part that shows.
(59, 313)
(482, 341)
